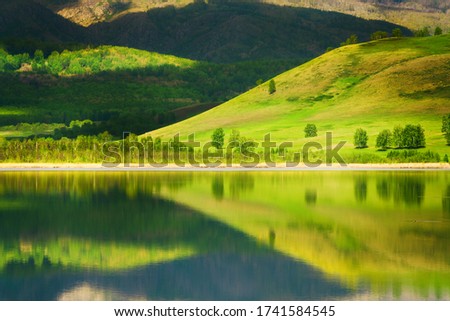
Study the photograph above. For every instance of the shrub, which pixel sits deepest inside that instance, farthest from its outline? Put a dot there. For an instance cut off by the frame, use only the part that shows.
(272, 87)
(310, 130)
(413, 156)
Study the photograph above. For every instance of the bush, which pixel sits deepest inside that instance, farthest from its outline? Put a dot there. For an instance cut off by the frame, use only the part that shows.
(413, 156)
(360, 138)
(272, 87)
(310, 130)
(438, 31)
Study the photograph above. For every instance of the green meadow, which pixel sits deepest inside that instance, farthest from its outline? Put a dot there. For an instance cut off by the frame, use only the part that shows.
(374, 86)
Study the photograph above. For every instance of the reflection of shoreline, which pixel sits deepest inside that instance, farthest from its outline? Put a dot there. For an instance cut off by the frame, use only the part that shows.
(235, 167)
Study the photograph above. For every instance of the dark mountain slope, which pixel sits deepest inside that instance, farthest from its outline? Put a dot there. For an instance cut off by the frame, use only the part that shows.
(414, 14)
(23, 19)
(224, 32)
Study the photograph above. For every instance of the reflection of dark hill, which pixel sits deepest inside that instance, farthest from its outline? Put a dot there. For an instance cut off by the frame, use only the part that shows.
(235, 31)
(214, 277)
(129, 219)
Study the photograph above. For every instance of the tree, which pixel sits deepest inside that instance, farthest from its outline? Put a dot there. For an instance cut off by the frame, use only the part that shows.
(397, 137)
(310, 130)
(446, 128)
(217, 138)
(438, 31)
(272, 87)
(413, 136)
(379, 35)
(397, 33)
(425, 32)
(360, 138)
(445, 158)
(350, 40)
(234, 139)
(38, 63)
(384, 139)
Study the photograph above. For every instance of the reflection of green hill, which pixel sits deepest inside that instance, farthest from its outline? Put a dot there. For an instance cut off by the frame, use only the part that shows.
(388, 229)
(104, 223)
(395, 237)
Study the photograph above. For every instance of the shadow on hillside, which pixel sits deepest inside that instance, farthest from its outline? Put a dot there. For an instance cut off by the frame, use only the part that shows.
(224, 32)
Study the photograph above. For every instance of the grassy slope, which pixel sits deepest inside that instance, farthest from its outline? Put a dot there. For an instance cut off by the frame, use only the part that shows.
(374, 85)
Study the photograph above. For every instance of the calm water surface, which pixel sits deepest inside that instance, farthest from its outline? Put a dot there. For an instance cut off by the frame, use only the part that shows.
(224, 235)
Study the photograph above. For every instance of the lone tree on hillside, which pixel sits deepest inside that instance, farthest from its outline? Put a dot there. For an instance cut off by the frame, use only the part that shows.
(397, 33)
(218, 138)
(384, 139)
(310, 130)
(360, 138)
(272, 87)
(438, 31)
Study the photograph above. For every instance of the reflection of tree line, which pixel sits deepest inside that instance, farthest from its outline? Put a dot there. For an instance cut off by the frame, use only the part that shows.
(407, 189)
(239, 183)
(87, 185)
(446, 201)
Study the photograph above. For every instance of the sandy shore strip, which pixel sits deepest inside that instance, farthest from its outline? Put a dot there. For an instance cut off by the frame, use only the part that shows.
(236, 167)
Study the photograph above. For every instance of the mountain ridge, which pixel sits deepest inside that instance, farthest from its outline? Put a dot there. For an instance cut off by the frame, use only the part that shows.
(413, 14)
(218, 32)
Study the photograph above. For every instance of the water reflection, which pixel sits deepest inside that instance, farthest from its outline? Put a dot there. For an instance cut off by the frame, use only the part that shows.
(360, 188)
(217, 186)
(446, 201)
(408, 188)
(310, 197)
(172, 235)
(240, 183)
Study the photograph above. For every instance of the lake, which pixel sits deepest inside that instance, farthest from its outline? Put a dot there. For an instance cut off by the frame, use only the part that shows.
(300, 235)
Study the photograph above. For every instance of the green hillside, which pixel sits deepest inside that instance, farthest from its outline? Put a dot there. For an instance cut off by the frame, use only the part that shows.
(375, 85)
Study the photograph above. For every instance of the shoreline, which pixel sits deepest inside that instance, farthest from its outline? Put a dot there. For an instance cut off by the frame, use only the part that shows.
(10, 167)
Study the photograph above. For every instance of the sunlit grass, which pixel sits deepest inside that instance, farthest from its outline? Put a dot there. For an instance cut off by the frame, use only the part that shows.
(375, 85)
